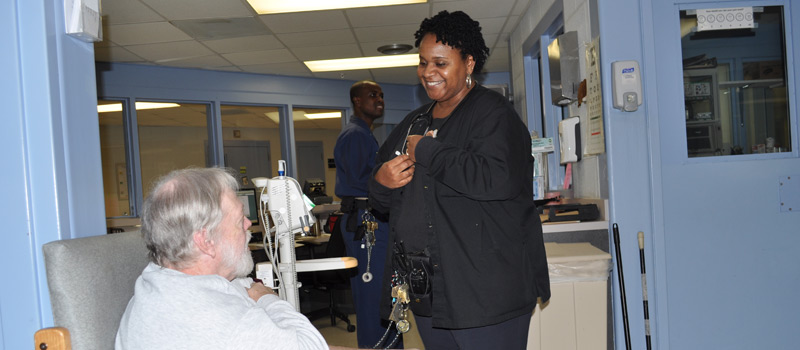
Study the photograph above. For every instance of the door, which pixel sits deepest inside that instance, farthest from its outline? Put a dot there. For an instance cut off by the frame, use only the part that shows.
(727, 267)
(310, 161)
(250, 159)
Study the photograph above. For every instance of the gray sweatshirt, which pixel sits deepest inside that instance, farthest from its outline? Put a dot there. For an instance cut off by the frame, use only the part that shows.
(173, 310)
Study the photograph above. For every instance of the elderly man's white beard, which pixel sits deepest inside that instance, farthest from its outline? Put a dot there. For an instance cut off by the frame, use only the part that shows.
(239, 258)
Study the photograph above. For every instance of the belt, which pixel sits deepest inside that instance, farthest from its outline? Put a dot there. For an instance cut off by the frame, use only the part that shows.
(351, 205)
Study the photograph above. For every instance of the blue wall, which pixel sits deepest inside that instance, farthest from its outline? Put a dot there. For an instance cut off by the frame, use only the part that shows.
(49, 136)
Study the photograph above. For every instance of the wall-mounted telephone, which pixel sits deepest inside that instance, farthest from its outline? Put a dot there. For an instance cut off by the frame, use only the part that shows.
(626, 84)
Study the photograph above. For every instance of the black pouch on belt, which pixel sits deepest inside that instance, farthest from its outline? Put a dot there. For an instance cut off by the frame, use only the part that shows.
(350, 206)
(417, 269)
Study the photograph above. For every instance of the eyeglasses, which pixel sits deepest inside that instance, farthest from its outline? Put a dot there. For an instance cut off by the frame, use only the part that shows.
(419, 126)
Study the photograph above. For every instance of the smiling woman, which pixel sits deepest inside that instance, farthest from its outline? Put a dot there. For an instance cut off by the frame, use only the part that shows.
(473, 278)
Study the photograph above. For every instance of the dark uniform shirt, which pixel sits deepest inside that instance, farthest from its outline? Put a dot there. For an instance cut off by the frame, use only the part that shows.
(354, 155)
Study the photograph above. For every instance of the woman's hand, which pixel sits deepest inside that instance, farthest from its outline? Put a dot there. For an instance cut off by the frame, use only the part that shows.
(396, 173)
(411, 144)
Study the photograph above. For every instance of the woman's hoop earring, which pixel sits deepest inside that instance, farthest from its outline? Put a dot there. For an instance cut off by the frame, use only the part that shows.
(469, 80)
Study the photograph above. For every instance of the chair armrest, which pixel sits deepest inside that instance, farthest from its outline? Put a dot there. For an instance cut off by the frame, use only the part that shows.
(54, 338)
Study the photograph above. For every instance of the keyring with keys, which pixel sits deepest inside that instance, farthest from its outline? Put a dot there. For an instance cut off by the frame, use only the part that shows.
(370, 226)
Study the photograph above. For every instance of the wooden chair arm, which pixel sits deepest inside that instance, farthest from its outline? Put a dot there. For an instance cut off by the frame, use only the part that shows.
(54, 338)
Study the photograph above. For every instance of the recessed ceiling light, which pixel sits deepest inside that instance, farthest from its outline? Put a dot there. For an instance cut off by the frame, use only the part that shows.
(363, 63)
(394, 49)
(117, 107)
(326, 115)
(264, 7)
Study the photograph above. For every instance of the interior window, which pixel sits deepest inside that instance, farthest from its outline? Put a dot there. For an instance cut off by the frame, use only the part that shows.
(315, 132)
(734, 80)
(251, 141)
(171, 136)
(115, 165)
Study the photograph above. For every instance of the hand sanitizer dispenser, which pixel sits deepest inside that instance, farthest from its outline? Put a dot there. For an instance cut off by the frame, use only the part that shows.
(626, 83)
(569, 135)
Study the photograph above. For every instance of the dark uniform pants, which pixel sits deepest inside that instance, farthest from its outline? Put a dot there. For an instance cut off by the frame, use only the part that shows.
(367, 296)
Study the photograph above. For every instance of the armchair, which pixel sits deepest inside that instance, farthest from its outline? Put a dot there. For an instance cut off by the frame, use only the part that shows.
(91, 281)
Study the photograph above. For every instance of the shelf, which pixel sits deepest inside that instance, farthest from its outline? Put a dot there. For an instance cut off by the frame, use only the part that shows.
(602, 205)
(575, 226)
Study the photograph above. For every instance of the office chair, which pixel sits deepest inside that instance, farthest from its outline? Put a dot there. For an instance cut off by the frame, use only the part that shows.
(334, 280)
(91, 281)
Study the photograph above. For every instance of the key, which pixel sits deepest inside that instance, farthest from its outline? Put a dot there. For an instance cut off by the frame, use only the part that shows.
(402, 294)
(397, 312)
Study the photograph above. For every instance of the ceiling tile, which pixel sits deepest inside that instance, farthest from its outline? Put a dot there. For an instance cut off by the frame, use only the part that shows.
(511, 24)
(475, 8)
(195, 9)
(520, 7)
(221, 28)
(305, 21)
(491, 25)
(402, 75)
(497, 62)
(490, 40)
(392, 15)
(327, 52)
(387, 34)
(330, 37)
(173, 51)
(126, 12)
(360, 74)
(260, 57)
(115, 54)
(229, 69)
(207, 62)
(244, 44)
(286, 68)
(145, 33)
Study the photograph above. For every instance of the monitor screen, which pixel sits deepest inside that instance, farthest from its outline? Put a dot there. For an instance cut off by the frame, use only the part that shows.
(249, 204)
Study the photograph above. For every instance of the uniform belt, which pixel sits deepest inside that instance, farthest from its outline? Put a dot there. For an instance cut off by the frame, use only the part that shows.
(351, 205)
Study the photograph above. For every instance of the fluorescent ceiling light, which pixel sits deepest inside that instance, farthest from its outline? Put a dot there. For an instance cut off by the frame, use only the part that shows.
(301, 116)
(326, 115)
(363, 63)
(264, 7)
(117, 107)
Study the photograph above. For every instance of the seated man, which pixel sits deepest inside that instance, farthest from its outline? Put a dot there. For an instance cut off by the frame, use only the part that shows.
(193, 294)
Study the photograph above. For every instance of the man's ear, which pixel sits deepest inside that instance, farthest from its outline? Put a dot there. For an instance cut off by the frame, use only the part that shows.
(204, 243)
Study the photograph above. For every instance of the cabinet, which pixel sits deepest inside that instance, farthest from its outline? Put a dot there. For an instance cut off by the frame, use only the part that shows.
(576, 317)
(701, 100)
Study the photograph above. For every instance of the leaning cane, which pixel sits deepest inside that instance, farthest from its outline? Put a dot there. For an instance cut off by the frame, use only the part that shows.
(622, 289)
(644, 291)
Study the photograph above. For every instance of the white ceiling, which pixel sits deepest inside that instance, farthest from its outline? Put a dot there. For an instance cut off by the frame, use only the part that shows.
(228, 35)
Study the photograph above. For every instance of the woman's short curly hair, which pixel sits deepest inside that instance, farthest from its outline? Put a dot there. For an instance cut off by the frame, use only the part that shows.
(459, 31)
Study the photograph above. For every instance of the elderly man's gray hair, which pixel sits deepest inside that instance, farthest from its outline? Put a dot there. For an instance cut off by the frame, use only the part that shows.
(183, 202)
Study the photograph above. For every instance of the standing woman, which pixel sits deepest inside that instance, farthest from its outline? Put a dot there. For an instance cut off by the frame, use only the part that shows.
(456, 178)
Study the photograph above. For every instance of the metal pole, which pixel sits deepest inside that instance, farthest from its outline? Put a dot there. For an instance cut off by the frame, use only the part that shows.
(622, 288)
(644, 291)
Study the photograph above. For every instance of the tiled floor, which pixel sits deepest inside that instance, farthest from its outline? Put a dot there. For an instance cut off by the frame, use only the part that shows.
(312, 299)
(338, 335)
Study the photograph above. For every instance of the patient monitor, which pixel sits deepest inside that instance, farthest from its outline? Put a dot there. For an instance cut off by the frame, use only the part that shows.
(283, 201)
